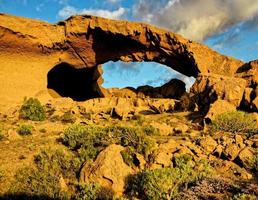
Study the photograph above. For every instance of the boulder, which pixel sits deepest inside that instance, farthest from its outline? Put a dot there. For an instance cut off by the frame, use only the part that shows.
(219, 107)
(209, 88)
(231, 151)
(108, 170)
(208, 144)
(246, 157)
(249, 72)
(165, 153)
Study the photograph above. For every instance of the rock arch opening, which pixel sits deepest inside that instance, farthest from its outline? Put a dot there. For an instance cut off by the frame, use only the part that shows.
(139, 75)
(134, 79)
(67, 81)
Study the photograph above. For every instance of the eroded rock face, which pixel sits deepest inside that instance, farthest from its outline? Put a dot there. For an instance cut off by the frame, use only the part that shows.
(108, 170)
(31, 48)
(209, 88)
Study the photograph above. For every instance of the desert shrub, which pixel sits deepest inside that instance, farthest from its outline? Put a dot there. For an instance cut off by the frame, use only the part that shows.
(88, 141)
(32, 110)
(128, 157)
(93, 191)
(133, 137)
(44, 179)
(25, 129)
(140, 119)
(68, 117)
(165, 183)
(58, 161)
(234, 122)
(34, 182)
(151, 131)
(244, 197)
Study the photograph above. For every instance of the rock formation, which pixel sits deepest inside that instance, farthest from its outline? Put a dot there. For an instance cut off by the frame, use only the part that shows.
(31, 50)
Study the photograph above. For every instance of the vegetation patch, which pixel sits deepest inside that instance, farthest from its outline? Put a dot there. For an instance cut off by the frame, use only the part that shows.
(166, 183)
(32, 110)
(88, 141)
(235, 122)
(93, 192)
(25, 129)
(68, 117)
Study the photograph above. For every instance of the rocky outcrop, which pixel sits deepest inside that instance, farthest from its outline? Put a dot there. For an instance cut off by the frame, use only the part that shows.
(108, 170)
(174, 89)
(29, 49)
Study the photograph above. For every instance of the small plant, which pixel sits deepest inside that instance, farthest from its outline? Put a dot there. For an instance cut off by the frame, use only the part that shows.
(235, 122)
(32, 110)
(139, 119)
(25, 129)
(151, 131)
(128, 157)
(93, 191)
(68, 117)
(244, 197)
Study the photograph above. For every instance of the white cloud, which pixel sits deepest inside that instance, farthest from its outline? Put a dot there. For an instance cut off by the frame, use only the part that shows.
(113, 1)
(196, 19)
(68, 11)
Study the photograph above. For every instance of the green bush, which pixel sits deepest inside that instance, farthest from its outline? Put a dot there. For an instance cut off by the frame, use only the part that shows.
(165, 183)
(34, 182)
(133, 137)
(244, 197)
(88, 141)
(128, 157)
(140, 119)
(93, 191)
(32, 110)
(25, 129)
(68, 117)
(235, 122)
(151, 131)
(58, 161)
(44, 178)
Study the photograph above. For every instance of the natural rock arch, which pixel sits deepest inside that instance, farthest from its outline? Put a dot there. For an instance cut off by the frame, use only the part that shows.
(87, 42)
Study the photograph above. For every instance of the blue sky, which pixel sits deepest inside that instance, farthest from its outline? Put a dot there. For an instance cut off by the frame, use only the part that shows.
(228, 26)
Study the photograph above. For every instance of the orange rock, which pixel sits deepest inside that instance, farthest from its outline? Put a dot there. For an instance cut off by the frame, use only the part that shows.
(29, 49)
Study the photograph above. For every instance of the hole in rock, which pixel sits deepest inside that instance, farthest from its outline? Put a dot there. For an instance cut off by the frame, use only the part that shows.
(135, 74)
(82, 84)
(66, 81)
